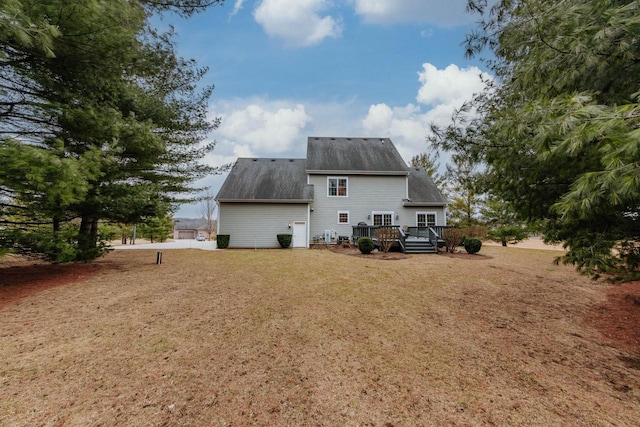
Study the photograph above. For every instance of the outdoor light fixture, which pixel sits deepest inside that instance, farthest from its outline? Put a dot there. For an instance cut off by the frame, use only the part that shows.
(289, 225)
(369, 216)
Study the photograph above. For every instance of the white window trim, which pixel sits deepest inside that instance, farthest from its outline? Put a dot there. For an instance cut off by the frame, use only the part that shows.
(338, 177)
(425, 213)
(393, 216)
(348, 218)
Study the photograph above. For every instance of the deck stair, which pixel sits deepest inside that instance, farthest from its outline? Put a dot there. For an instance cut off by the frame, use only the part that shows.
(413, 245)
(415, 240)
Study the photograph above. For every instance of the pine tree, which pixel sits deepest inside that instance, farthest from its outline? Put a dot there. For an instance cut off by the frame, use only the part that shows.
(100, 117)
(558, 131)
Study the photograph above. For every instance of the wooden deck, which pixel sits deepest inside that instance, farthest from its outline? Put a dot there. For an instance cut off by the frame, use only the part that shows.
(413, 241)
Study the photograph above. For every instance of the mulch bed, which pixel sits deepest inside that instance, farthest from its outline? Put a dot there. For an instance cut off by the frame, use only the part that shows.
(354, 251)
(618, 318)
(20, 277)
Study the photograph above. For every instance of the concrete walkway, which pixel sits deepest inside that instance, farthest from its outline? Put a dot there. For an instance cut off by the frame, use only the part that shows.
(176, 244)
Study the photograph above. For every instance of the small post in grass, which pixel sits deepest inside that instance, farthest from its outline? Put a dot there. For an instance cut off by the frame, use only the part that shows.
(159, 258)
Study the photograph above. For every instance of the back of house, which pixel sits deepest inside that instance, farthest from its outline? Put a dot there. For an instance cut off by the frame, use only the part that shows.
(343, 182)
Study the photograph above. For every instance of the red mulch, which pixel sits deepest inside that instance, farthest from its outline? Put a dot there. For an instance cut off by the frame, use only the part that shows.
(618, 318)
(21, 278)
(354, 251)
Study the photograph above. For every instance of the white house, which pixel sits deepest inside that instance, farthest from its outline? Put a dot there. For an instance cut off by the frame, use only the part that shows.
(343, 182)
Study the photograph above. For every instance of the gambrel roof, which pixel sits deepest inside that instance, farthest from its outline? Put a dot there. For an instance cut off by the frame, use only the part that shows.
(267, 181)
(354, 156)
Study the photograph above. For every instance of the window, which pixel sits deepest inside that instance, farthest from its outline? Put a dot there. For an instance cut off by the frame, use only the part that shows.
(337, 187)
(425, 219)
(383, 218)
(343, 217)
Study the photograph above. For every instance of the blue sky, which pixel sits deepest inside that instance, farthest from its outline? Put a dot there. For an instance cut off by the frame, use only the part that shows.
(285, 70)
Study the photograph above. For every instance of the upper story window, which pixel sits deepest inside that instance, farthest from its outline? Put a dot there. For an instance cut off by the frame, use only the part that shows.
(337, 187)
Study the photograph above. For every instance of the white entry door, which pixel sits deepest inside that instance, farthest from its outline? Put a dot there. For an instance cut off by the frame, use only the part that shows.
(299, 234)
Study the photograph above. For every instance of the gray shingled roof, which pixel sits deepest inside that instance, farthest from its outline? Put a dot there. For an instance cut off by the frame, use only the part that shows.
(354, 155)
(422, 190)
(265, 180)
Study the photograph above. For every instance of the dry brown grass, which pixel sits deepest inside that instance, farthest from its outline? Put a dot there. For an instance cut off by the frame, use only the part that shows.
(313, 337)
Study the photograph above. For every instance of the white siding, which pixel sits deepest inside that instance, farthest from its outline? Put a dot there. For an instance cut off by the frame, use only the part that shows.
(366, 194)
(257, 224)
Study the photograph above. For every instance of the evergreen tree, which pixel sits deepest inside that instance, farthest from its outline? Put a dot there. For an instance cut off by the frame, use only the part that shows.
(558, 131)
(100, 118)
(465, 199)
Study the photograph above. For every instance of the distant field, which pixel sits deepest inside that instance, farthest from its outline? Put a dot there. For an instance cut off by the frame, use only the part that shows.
(310, 337)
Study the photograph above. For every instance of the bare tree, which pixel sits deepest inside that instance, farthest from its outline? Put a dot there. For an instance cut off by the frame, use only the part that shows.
(453, 237)
(208, 208)
(387, 236)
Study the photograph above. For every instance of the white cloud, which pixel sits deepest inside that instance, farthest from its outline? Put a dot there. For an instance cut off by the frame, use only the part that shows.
(406, 126)
(437, 12)
(262, 127)
(452, 85)
(442, 92)
(237, 6)
(299, 22)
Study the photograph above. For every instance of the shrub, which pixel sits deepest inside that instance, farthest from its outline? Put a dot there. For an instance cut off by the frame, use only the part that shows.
(472, 245)
(387, 236)
(365, 245)
(453, 237)
(284, 240)
(56, 247)
(223, 240)
(508, 234)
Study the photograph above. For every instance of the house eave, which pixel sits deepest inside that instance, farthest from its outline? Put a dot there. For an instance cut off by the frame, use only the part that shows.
(423, 204)
(279, 201)
(356, 172)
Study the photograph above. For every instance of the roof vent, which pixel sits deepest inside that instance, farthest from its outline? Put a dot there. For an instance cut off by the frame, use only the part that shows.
(273, 160)
(291, 160)
(255, 160)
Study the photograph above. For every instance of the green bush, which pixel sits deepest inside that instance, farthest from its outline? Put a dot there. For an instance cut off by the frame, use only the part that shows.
(223, 240)
(56, 247)
(365, 245)
(284, 240)
(472, 245)
(508, 234)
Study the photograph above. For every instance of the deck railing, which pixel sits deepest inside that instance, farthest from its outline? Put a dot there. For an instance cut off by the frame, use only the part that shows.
(402, 238)
(369, 231)
(433, 233)
(424, 231)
